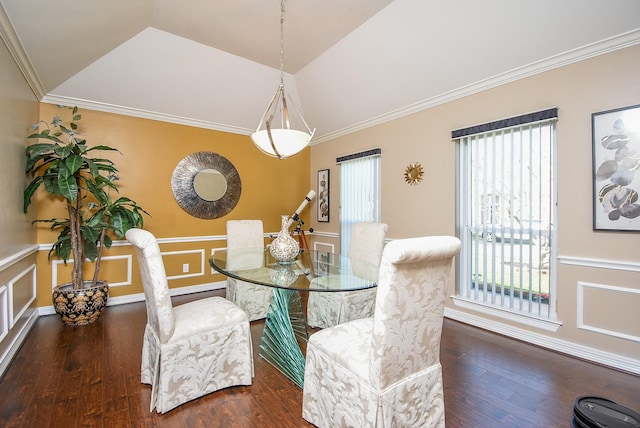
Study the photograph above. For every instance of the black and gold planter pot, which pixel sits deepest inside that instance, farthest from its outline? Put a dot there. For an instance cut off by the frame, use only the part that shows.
(83, 306)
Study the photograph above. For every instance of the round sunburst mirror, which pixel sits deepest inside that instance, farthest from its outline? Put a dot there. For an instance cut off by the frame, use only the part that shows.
(206, 185)
(413, 174)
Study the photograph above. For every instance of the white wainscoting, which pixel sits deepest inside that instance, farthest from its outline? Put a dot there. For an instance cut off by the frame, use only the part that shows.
(17, 319)
(200, 271)
(626, 297)
(326, 245)
(570, 348)
(128, 258)
(17, 312)
(139, 297)
(178, 291)
(600, 263)
(621, 298)
(4, 312)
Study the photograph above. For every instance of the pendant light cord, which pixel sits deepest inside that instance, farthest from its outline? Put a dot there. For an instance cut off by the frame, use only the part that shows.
(282, 43)
(279, 139)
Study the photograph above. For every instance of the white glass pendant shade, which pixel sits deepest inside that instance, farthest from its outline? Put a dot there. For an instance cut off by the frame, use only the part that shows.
(274, 135)
(287, 142)
(279, 134)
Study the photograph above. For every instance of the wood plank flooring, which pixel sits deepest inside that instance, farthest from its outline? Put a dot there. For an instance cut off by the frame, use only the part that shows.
(90, 377)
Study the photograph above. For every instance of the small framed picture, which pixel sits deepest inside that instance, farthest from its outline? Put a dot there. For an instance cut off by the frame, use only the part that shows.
(324, 201)
(616, 163)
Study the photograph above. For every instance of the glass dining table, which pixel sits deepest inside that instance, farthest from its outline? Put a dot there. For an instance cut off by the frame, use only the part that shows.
(285, 330)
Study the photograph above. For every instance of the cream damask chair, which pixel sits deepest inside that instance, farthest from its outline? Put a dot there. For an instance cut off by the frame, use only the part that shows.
(192, 349)
(385, 371)
(329, 309)
(252, 298)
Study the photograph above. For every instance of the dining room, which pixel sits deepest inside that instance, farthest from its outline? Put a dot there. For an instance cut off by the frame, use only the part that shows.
(499, 369)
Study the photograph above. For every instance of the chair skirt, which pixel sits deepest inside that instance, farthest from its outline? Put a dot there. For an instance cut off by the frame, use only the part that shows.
(338, 392)
(210, 350)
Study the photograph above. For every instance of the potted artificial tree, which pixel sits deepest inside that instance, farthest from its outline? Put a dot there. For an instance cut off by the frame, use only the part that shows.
(61, 163)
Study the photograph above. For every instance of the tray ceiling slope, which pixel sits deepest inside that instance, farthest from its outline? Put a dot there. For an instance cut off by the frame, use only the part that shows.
(350, 64)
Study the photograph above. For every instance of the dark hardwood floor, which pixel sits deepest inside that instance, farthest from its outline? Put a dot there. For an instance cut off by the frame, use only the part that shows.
(90, 377)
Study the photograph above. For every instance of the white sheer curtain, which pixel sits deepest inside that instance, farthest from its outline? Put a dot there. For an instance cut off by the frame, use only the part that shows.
(359, 192)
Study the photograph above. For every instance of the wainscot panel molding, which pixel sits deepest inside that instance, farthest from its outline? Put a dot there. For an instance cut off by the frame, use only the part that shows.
(139, 297)
(17, 296)
(55, 280)
(625, 299)
(20, 255)
(595, 355)
(20, 298)
(13, 343)
(324, 234)
(123, 267)
(600, 263)
(200, 272)
(172, 240)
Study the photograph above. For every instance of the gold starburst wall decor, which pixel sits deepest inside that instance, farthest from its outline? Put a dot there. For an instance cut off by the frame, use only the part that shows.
(413, 174)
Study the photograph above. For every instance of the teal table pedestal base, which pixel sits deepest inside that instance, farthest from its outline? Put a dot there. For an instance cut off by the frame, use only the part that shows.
(285, 325)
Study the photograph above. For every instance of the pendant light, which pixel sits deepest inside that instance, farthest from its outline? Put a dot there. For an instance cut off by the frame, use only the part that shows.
(274, 135)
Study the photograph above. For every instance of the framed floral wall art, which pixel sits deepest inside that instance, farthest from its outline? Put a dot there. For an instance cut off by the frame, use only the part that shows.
(616, 169)
(323, 195)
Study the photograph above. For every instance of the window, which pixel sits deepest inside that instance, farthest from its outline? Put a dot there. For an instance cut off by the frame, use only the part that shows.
(506, 212)
(359, 192)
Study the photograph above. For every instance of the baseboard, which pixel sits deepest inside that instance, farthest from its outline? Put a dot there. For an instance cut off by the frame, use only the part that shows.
(18, 340)
(597, 356)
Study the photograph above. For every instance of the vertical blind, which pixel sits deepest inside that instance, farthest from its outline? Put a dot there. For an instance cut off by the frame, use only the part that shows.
(506, 211)
(359, 192)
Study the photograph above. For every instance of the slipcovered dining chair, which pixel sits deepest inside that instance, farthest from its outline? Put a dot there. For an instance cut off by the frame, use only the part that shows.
(252, 298)
(192, 349)
(329, 309)
(385, 371)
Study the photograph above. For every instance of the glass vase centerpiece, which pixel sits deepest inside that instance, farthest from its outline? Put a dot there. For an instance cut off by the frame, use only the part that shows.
(284, 248)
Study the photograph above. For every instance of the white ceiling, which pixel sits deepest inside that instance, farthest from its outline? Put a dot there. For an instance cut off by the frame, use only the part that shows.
(349, 63)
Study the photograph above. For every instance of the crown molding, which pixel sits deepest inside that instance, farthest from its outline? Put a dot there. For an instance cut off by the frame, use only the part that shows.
(11, 39)
(145, 114)
(621, 41)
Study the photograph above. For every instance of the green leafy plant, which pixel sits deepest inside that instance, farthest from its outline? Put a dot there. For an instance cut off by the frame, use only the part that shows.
(62, 163)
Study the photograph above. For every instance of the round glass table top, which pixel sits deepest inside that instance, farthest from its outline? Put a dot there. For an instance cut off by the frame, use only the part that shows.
(310, 271)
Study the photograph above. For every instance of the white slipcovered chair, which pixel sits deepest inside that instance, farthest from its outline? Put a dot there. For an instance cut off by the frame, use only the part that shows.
(385, 371)
(329, 309)
(192, 349)
(252, 298)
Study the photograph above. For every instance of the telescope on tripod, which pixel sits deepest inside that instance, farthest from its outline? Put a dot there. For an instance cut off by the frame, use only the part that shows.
(296, 217)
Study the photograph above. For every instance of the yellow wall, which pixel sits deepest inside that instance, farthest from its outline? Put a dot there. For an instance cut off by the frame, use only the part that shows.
(150, 152)
(578, 90)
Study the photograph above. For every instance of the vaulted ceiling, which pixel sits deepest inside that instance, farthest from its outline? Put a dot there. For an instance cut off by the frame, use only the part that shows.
(349, 63)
